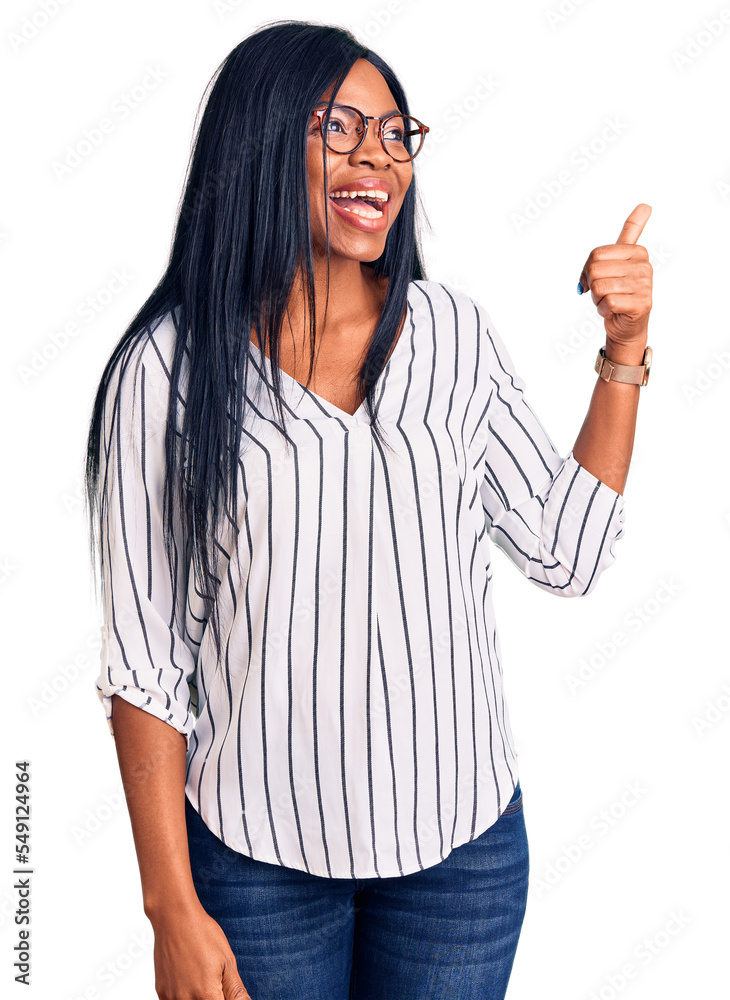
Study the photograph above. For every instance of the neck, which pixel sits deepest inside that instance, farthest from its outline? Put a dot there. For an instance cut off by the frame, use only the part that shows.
(355, 296)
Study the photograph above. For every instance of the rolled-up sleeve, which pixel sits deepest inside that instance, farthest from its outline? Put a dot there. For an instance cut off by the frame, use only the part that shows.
(556, 521)
(144, 657)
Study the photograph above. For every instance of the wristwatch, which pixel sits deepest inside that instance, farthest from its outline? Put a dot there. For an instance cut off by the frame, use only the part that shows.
(611, 371)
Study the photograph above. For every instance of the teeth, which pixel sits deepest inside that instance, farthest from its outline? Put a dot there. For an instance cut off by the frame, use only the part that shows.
(373, 193)
(364, 212)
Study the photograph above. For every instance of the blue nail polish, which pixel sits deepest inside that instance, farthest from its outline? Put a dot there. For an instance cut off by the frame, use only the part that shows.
(580, 288)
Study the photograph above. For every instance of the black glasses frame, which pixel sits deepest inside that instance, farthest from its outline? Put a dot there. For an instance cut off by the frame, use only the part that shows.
(422, 130)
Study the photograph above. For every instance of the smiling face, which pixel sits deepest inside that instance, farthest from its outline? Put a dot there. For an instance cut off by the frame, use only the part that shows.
(357, 235)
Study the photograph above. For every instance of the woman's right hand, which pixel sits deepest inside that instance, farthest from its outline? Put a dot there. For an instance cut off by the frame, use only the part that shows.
(193, 959)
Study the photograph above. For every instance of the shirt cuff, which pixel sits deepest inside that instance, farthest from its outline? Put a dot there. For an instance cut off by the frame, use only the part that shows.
(150, 699)
(141, 699)
(583, 519)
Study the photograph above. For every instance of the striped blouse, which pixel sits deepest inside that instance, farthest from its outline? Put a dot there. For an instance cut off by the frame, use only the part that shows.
(356, 726)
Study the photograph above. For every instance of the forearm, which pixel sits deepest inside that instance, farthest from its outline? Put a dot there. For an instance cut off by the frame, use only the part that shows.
(152, 761)
(606, 439)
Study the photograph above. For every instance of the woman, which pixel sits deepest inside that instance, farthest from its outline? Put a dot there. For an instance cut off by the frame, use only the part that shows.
(322, 782)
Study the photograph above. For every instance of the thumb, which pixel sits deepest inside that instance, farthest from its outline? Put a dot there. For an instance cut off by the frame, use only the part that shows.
(634, 224)
(233, 988)
(631, 231)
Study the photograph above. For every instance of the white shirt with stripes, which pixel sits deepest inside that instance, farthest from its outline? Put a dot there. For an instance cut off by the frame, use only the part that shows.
(356, 726)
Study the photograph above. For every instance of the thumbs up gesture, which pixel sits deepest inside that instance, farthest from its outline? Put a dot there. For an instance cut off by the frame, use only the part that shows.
(619, 277)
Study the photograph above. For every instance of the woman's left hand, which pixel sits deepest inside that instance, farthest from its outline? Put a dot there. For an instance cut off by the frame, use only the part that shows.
(620, 279)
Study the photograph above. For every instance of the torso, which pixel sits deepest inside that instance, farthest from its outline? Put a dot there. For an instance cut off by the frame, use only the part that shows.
(335, 372)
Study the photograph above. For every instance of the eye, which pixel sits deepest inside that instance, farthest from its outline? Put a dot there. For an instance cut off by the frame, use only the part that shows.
(393, 133)
(342, 122)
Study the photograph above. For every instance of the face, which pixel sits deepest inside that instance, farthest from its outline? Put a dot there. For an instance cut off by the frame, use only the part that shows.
(351, 235)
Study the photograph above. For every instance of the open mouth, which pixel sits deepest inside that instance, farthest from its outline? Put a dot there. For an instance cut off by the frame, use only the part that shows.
(367, 204)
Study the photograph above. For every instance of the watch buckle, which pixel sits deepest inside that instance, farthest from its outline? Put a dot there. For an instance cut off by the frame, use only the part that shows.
(605, 363)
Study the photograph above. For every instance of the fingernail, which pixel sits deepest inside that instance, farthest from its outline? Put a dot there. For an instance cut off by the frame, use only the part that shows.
(580, 288)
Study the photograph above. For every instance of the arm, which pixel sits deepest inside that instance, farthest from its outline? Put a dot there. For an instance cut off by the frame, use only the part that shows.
(192, 954)
(152, 758)
(619, 277)
(558, 519)
(555, 520)
(147, 655)
(606, 439)
(148, 664)
(145, 663)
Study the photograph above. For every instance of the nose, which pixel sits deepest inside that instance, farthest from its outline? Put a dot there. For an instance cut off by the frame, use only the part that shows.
(371, 151)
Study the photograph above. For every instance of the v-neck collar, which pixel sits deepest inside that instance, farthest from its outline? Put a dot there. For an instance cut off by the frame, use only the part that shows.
(325, 403)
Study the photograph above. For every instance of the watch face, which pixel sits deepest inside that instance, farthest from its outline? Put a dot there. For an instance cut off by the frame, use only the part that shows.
(647, 361)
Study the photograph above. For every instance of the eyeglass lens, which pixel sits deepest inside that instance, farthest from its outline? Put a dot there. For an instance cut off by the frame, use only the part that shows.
(401, 134)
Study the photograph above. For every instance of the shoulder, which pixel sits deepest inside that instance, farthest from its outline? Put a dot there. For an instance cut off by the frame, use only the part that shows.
(142, 373)
(149, 355)
(453, 309)
(446, 301)
(154, 348)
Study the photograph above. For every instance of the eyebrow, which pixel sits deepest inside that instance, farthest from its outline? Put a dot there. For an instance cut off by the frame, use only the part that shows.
(393, 111)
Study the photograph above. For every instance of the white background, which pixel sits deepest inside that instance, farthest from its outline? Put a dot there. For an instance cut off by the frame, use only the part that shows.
(515, 89)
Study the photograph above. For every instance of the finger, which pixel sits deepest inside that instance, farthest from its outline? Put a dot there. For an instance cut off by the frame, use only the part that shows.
(612, 267)
(611, 252)
(613, 285)
(619, 251)
(634, 224)
(613, 304)
(231, 981)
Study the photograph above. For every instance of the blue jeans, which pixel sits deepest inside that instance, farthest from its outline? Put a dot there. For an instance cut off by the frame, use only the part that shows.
(448, 931)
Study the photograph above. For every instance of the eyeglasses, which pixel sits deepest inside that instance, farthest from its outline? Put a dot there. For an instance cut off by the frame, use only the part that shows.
(346, 127)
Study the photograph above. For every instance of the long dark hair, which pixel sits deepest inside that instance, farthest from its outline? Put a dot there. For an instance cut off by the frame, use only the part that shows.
(241, 236)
